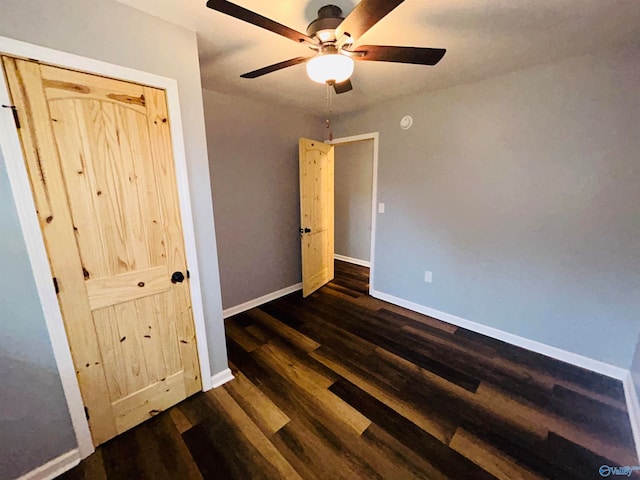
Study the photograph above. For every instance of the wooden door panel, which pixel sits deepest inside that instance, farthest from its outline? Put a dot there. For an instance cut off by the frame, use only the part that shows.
(318, 260)
(96, 158)
(134, 409)
(316, 213)
(107, 291)
(101, 164)
(138, 354)
(114, 196)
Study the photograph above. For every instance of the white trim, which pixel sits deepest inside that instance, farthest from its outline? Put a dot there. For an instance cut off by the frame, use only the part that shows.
(55, 467)
(355, 261)
(354, 138)
(375, 136)
(538, 347)
(633, 407)
(84, 64)
(19, 181)
(221, 378)
(256, 302)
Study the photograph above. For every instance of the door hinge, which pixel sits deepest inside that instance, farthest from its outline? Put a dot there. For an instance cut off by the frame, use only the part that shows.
(14, 110)
(188, 274)
(86, 412)
(55, 285)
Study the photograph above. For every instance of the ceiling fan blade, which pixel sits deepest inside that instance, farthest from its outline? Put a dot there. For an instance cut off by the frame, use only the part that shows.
(364, 16)
(415, 55)
(275, 67)
(241, 13)
(343, 87)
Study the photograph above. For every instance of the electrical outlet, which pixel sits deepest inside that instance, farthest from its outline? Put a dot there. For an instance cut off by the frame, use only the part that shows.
(428, 276)
(381, 208)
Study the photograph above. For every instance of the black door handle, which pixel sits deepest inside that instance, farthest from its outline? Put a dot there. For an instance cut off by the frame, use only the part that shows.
(177, 277)
(305, 230)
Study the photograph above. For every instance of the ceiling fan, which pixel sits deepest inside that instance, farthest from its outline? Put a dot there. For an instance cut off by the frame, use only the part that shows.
(332, 38)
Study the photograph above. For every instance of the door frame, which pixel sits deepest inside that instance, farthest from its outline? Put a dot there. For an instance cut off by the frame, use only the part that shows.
(375, 136)
(11, 149)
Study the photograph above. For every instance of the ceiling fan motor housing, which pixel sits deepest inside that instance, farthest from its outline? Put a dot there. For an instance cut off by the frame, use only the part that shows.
(323, 27)
(333, 58)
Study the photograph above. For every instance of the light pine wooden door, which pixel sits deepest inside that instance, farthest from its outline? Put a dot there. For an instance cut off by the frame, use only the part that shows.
(100, 161)
(316, 214)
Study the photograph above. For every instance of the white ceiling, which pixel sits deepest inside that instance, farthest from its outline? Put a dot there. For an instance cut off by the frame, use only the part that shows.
(483, 38)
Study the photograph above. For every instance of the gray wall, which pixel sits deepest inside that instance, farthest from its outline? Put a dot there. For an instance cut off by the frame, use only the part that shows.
(34, 421)
(254, 178)
(353, 190)
(521, 194)
(112, 32)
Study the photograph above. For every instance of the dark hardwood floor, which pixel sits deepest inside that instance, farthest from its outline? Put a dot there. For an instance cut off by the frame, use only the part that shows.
(343, 386)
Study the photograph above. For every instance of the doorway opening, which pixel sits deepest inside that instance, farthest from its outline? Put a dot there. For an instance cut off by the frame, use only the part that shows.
(356, 171)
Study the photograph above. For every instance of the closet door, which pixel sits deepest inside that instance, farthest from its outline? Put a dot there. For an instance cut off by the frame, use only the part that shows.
(100, 161)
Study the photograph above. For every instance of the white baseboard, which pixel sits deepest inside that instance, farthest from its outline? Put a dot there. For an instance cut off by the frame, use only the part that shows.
(538, 347)
(55, 467)
(355, 261)
(221, 378)
(256, 302)
(633, 407)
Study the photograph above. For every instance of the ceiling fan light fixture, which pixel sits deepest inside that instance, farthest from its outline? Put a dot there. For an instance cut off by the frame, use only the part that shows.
(331, 67)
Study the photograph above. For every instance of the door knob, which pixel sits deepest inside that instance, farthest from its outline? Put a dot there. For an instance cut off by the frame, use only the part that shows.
(307, 230)
(177, 277)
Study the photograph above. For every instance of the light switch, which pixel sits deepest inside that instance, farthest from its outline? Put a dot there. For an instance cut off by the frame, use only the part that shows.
(381, 208)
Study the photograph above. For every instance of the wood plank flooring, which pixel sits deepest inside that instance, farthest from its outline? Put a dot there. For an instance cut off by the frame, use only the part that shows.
(343, 386)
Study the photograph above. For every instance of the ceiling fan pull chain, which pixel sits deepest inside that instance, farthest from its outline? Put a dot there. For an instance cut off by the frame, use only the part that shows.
(330, 136)
(328, 98)
(329, 110)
